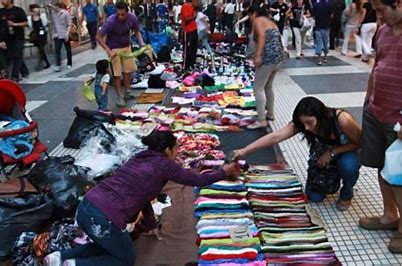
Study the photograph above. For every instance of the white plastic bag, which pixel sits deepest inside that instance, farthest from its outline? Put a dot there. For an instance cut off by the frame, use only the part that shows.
(392, 171)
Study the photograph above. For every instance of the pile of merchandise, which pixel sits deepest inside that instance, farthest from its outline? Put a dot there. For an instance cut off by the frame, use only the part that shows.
(223, 211)
(288, 232)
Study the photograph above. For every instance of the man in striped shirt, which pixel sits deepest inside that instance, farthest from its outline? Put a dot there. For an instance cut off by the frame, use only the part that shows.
(383, 108)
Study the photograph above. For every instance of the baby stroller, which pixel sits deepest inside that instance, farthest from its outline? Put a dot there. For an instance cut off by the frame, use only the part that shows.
(12, 108)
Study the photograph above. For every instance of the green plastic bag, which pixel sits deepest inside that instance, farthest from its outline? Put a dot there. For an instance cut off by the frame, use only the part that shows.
(88, 92)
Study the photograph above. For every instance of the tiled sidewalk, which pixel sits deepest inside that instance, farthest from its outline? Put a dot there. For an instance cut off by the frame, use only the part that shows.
(353, 246)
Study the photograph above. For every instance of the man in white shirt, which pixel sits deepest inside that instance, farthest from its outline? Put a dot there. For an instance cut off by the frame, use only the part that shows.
(229, 14)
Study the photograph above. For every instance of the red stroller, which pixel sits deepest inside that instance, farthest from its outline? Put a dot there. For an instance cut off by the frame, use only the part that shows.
(12, 103)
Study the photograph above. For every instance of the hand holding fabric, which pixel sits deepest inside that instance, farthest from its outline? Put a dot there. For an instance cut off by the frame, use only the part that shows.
(232, 171)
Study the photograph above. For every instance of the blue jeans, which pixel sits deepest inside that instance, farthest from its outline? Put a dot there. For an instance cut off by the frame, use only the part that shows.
(321, 41)
(58, 44)
(203, 38)
(111, 246)
(348, 164)
(101, 100)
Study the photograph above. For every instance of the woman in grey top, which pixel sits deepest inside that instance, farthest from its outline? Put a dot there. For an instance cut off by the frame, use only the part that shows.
(352, 17)
(268, 58)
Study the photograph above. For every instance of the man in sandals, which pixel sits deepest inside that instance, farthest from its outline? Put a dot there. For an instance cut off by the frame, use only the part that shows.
(382, 109)
(117, 30)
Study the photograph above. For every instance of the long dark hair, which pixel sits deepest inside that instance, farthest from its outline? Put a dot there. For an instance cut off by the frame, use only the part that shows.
(159, 140)
(259, 9)
(310, 106)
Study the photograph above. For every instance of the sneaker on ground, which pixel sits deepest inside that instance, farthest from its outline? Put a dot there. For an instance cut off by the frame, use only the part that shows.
(121, 102)
(53, 259)
(69, 66)
(325, 60)
(319, 62)
(57, 68)
(69, 262)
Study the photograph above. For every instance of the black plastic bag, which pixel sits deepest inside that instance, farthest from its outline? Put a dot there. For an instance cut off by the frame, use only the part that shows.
(64, 182)
(84, 123)
(21, 214)
(155, 81)
(323, 180)
(164, 54)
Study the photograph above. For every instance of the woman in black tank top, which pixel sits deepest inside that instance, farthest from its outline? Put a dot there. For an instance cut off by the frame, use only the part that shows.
(333, 137)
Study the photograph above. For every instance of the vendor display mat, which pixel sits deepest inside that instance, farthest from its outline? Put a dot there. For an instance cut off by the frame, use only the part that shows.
(177, 246)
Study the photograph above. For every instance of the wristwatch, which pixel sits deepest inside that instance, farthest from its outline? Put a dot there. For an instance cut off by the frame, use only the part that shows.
(332, 152)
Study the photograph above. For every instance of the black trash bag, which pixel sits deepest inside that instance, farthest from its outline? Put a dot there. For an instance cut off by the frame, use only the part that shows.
(164, 54)
(21, 214)
(155, 81)
(64, 182)
(84, 123)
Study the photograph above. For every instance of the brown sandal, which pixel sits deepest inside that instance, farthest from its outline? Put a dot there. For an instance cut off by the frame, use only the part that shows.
(395, 245)
(374, 223)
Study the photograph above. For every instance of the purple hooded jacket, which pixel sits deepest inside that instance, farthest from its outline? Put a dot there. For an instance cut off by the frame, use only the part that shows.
(122, 196)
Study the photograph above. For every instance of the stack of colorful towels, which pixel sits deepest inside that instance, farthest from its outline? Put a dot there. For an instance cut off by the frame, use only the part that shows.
(223, 211)
(288, 235)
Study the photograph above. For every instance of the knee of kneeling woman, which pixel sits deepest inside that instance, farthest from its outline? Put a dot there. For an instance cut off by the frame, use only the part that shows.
(349, 164)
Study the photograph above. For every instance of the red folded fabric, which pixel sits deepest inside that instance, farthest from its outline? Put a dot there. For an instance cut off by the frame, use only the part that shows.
(244, 255)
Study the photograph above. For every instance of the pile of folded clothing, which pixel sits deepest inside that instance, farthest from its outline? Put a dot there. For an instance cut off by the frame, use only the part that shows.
(288, 233)
(226, 230)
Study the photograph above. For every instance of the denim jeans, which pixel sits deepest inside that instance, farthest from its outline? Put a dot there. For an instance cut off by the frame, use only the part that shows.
(321, 41)
(101, 100)
(15, 53)
(92, 30)
(348, 164)
(111, 246)
(203, 38)
(58, 43)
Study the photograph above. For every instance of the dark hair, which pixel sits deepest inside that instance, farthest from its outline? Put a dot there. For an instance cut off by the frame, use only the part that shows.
(33, 6)
(122, 5)
(259, 9)
(310, 106)
(159, 140)
(102, 66)
(391, 3)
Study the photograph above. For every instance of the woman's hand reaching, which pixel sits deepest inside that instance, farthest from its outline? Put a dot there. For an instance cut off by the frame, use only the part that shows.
(232, 171)
(237, 154)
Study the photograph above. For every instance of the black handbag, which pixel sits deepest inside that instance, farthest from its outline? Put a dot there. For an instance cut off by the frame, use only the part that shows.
(323, 180)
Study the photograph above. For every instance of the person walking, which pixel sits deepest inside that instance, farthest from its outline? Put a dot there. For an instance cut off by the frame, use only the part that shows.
(117, 31)
(297, 15)
(382, 109)
(337, 7)
(16, 20)
(322, 14)
(91, 14)
(189, 26)
(368, 29)
(228, 15)
(268, 59)
(203, 31)
(108, 9)
(353, 14)
(211, 14)
(37, 23)
(150, 13)
(62, 26)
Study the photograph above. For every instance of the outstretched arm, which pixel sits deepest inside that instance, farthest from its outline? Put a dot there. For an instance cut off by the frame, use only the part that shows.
(284, 133)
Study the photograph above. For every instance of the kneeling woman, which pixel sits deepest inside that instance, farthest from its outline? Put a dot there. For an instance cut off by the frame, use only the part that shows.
(115, 202)
(333, 136)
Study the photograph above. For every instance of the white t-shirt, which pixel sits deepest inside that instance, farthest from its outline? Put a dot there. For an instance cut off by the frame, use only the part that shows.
(177, 10)
(229, 8)
(201, 25)
(105, 78)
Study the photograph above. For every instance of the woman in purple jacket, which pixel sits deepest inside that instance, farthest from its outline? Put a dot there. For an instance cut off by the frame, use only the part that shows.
(116, 201)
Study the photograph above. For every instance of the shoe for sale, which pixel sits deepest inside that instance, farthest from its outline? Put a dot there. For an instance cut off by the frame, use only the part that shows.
(57, 68)
(53, 259)
(374, 223)
(319, 62)
(69, 262)
(358, 56)
(395, 245)
(69, 67)
(121, 102)
(298, 57)
(325, 60)
(129, 95)
(343, 205)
